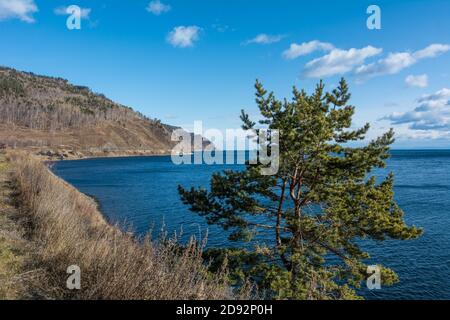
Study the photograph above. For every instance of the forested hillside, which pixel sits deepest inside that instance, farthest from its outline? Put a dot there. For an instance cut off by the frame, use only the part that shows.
(57, 118)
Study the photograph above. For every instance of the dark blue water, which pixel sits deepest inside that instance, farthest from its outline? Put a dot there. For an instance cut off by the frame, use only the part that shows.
(142, 192)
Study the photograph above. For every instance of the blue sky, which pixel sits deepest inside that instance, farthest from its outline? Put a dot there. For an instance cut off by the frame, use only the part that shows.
(181, 61)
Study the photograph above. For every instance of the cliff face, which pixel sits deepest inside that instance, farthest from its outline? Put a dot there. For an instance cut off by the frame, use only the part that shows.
(55, 118)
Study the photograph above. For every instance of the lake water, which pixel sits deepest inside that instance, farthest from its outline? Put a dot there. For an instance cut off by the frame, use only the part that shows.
(142, 192)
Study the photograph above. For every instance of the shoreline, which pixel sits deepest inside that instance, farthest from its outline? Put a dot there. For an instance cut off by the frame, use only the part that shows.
(72, 155)
(152, 154)
(66, 155)
(67, 226)
(112, 156)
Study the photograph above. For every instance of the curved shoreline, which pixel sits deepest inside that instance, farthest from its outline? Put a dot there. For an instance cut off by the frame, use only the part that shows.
(66, 228)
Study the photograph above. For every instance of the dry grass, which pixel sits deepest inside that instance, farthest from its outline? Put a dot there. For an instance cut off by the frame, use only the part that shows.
(67, 229)
(13, 248)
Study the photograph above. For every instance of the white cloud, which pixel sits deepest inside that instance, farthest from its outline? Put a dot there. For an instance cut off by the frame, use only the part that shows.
(157, 7)
(184, 37)
(420, 81)
(440, 95)
(339, 61)
(19, 9)
(432, 114)
(62, 11)
(297, 50)
(264, 38)
(432, 51)
(396, 62)
(405, 133)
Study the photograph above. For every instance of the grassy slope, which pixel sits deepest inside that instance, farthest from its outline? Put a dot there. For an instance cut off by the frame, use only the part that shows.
(12, 245)
(65, 228)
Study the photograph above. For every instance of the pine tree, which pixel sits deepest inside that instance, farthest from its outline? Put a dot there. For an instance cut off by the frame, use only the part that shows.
(319, 206)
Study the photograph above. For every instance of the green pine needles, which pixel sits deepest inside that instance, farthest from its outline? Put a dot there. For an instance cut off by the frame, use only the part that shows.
(321, 203)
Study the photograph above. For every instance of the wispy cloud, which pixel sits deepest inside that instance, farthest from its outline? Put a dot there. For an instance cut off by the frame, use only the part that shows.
(422, 135)
(157, 7)
(62, 11)
(297, 50)
(432, 51)
(396, 62)
(420, 81)
(219, 27)
(339, 61)
(264, 38)
(432, 114)
(18, 9)
(183, 37)
(442, 94)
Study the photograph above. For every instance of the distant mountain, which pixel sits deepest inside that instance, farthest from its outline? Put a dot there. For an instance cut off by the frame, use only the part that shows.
(58, 119)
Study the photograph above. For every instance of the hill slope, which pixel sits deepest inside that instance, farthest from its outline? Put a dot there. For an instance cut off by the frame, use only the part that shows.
(58, 119)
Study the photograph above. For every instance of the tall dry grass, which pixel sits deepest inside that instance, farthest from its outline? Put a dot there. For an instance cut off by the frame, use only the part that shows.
(69, 230)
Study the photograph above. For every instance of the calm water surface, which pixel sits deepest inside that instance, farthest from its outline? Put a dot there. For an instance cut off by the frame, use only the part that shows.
(142, 192)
